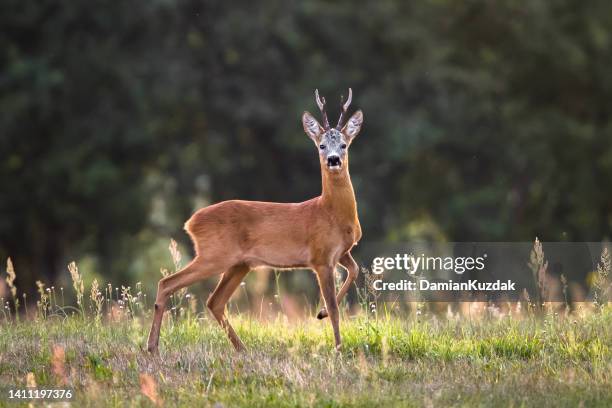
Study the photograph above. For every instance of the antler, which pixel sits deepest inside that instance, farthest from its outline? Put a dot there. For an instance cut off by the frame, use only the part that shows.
(321, 104)
(344, 109)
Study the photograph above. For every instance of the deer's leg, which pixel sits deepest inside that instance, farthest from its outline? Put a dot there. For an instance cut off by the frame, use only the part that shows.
(221, 295)
(352, 269)
(325, 275)
(190, 274)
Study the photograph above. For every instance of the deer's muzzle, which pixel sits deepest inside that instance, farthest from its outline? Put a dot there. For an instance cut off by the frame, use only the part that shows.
(334, 162)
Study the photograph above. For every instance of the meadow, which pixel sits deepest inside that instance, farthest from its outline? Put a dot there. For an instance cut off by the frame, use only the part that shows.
(390, 361)
(463, 354)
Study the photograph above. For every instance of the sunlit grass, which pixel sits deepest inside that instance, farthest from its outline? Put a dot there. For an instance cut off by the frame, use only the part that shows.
(475, 354)
(390, 360)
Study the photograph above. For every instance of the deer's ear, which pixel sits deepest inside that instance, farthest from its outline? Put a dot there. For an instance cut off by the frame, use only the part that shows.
(312, 127)
(353, 125)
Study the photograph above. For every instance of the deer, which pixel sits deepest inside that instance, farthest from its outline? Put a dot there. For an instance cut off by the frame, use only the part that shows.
(230, 238)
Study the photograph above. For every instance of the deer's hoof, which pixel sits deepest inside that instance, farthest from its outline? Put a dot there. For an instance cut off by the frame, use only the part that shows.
(153, 349)
(322, 314)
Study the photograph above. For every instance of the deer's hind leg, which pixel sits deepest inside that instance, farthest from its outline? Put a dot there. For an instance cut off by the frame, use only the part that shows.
(195, 271)
(221, 295)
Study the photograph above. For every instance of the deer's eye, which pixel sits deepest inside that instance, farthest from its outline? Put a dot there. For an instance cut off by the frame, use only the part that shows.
(322, 147)
(343, 146)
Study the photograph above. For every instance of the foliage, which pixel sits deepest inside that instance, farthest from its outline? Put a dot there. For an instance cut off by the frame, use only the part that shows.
(483, 120)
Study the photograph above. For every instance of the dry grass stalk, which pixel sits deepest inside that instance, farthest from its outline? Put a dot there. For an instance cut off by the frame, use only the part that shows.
(176, 255)
(148, 387)
(57, 364)
(368, 296)
(30, 380)
(10, 281)
(43, 303)
(565, 287)
(602, 283)
(539, 265)
(77, 282)
(97, 299)
(178, 296)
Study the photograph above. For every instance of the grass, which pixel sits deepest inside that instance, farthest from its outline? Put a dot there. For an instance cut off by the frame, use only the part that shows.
(515, 355)
(390, 361)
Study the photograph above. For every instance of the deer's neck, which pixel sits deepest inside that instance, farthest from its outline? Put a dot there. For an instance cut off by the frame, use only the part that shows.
(338, 195)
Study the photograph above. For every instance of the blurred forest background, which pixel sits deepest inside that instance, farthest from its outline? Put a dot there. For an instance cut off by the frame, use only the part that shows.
(484, 121)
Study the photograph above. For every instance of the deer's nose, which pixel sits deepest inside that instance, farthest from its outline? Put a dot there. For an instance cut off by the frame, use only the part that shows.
(333, 161)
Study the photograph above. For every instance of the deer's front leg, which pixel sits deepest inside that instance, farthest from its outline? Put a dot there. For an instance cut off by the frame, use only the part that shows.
(325, 276)
(352, 270)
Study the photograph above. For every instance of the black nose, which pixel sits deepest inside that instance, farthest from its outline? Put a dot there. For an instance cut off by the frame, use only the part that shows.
(333, 161)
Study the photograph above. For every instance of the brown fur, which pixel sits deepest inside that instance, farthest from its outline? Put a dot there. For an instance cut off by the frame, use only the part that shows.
(232, 237)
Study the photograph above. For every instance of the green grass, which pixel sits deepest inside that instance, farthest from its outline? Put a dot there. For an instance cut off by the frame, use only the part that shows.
(393, 361)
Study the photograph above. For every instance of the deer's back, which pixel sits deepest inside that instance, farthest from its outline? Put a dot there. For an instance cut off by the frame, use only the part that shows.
(255, 232)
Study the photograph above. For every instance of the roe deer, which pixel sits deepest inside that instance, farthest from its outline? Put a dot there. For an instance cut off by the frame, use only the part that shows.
(232, 237)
